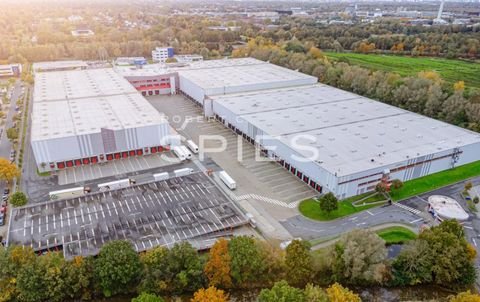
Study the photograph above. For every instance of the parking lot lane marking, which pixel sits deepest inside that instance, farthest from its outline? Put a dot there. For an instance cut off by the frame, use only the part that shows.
(139, 202)
(24, 227)
(474, 242)
(128, 207)
(109, 212)
(61, 220)
(468, 227)
(81, 212)
(416, 220)
(115, 167)
(370, 213)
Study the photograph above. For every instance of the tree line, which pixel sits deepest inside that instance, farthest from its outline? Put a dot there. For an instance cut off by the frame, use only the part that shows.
(440, 255)
(426, 93)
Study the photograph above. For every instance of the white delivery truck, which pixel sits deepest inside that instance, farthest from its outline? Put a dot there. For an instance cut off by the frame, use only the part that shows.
(185, 151)
(114, 185)
(69, 193)
(231, 184)
(182, 172)
(177, 150)
(161, 176)
(192, 146)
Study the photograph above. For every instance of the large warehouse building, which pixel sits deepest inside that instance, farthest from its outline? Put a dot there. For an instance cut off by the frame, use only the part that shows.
(89, 116)
(339, 142)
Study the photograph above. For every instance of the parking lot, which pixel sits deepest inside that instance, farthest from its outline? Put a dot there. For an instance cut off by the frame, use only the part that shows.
(148, 215)
(117, 167)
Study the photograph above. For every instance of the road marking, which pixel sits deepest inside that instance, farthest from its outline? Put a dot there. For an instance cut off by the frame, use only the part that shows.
(353, 218)
(474, 242)
(370, 213)
(416, 220)
(361, 223)
(468, 227)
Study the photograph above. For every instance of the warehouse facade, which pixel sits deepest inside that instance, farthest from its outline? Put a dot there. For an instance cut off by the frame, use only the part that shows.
(83, 117)
(339, 142)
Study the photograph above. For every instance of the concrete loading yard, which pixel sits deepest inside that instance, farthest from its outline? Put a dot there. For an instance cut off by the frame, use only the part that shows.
(153, 214)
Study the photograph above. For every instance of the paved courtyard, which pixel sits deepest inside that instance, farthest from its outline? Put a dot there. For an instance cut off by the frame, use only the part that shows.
(148, 215)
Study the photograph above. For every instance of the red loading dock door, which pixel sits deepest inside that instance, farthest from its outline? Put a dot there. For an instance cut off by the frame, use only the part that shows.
(109, 156)
(132, 153)
(61, 165)
(78, 162)
(139, 152)
(118, 155)
(124, 154)
(69, 163)
(86, 161)
(153, 150)
(94, 159)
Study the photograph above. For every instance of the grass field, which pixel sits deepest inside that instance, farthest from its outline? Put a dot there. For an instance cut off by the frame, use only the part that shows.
(450, 70)
(311, 209)
(396, 235)
(436, 180)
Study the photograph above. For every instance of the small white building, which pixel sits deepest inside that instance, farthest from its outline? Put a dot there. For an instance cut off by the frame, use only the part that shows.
(10, 70)
(162, 54)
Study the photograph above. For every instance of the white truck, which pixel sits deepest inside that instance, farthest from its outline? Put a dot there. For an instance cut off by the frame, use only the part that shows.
(227, 180)
(68, 193)
(161, 176)
(185, 151)
(182, 172)
(177, 150)
(192, 146)
(114, 185)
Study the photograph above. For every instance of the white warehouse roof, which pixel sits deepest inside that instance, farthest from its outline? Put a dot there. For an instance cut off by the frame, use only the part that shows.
(52, 65)
(60, 85)
(233, 78)
(79, 102)
(347, 130)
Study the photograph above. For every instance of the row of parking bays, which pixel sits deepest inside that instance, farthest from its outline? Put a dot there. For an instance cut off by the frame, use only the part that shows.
(148, 215)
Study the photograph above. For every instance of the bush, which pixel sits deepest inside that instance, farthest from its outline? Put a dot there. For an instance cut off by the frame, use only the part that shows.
(18, 199)
(476, 199)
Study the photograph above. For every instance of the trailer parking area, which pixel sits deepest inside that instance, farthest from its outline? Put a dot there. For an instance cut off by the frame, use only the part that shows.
(116, 167)
(148, 215)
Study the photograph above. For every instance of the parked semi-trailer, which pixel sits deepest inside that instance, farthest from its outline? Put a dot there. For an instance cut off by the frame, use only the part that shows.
(192, 146)
(161, 176)
(69, 193)
(185, 151)
(118, 184)
(231, 184)
(182, 172)
(179, 153)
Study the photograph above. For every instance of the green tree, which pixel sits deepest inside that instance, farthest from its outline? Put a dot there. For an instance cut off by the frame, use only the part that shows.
(78, 277)
(117, 268)
(315, 294)
(414, 264)
(468, 186)
(12, 261)
(18, 199)
(359, 258)
(12, 133)
(247, 261)
(184, 268)
(281, 291)
(31, 283)
(328, 203)
(396, 184)
(146, 297)
(298, 263)
(155, 276)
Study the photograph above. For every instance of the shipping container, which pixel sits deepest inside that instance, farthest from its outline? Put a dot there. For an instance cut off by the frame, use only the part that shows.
(231, 184)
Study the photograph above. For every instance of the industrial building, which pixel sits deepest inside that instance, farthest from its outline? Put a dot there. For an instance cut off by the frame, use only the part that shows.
(10, 70)
(59, 66)
(90, 116)
(151, 79)
(162, 54)
(339, 142)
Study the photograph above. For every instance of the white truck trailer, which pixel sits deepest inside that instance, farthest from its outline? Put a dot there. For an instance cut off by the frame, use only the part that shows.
(69, 193)
(192, 146)
(182, 172)
(185, 151)
(161, 176)
(227, 180)
(177, 150)
(114, 185)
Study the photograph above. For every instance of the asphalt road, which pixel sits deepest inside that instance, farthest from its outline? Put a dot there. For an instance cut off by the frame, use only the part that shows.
(5, 145)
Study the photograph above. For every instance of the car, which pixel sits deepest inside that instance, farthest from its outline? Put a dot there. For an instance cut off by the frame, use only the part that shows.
(6, 191)
(3, 209)
(2, 219)
(4, 197)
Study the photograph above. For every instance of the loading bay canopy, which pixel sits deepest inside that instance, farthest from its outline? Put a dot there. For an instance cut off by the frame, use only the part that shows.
(148, 215)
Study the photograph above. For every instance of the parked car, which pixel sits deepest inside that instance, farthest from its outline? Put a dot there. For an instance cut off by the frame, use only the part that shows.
(3, 209)
(6, 191)
(2, 219)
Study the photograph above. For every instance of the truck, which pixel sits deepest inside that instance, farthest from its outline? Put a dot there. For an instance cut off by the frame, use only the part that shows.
(161, 176)
(179, 153)
(227, 180)
(192, 146)
(185, 151)
(69, 193)
(182, 172)
(114, 185)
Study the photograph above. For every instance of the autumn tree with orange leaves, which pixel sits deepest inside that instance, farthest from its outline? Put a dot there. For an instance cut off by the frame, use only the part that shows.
(217, 269)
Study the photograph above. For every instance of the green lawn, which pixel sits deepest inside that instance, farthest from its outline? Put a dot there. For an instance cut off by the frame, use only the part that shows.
(450, 70)
(437, 180)
(396, 235)
(311, 209)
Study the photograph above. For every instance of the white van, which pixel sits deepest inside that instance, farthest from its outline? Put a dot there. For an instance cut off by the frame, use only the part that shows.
(161, 176)
(192, 146)
(182, 172)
